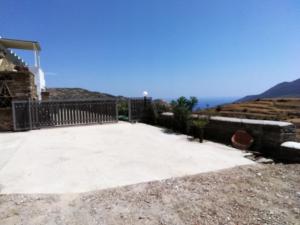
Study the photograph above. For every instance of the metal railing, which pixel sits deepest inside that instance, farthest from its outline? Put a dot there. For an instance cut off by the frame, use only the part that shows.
(137, 107)
(28, 115)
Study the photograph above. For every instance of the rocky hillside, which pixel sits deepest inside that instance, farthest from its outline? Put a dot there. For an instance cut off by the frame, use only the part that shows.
(76, 93)
(284, 109)
(285, 89)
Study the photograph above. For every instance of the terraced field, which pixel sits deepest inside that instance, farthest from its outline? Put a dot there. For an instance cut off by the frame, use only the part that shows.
(285, 109)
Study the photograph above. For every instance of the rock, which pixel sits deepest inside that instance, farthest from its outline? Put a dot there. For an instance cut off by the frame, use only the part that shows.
(248, 154)
(296, 210)
(279, 195)
(265, 160)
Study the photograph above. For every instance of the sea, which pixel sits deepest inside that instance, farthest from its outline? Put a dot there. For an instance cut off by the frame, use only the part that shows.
(210, 102)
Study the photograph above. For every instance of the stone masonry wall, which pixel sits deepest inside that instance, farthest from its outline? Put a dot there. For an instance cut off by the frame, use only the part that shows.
(22, 87)
(290, 151)
(6, 122)
(268, 135)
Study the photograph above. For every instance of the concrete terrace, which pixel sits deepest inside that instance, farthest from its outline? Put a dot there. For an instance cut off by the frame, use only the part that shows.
(79, 159)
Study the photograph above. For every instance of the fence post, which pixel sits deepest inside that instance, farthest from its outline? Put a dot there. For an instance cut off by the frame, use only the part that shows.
(145, 102)
(14, 115)
(117, 112)
(37, 107)
(129, 110)
(29, 114)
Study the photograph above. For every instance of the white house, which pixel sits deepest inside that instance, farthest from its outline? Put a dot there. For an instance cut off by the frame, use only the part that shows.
(14, 62)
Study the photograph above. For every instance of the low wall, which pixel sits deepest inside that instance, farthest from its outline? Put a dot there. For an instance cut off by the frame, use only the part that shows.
(268, 135)
(290, 151)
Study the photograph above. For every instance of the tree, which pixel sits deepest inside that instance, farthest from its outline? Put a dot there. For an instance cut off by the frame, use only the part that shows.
(182, 109)
(192, 103)
(182, 101)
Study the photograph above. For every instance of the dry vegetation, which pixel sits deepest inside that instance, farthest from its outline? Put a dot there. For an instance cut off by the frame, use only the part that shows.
(285, 109)
(75, 93)
(258, 194)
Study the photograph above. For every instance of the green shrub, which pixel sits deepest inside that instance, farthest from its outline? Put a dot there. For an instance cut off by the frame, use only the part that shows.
(197, 129)
(182, 109)
(161, 106)
(219, 108)
(200, 123)
(123, 108)
(181, 119)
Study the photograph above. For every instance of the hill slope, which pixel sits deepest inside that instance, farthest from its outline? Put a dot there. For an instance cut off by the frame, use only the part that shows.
(75, 93)
(285, 109)
(285, 89)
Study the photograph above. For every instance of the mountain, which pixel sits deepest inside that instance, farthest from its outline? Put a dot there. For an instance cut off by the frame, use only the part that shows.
(76, 93)
(284, 89)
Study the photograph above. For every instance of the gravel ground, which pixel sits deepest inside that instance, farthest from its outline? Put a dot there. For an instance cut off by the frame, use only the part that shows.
(256, 194)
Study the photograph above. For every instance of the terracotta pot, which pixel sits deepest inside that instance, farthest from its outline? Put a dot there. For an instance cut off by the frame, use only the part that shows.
(242, 140)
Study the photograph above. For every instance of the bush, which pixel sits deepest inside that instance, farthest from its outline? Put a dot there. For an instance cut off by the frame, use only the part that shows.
(283, 100)
(219, 108)
(197, 129)
(182, 109)
(161, 106)
(181, 119)
(123, 108)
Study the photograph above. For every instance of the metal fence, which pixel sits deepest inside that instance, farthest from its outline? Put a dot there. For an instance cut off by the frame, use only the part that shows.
(137, 108)
(29, 115)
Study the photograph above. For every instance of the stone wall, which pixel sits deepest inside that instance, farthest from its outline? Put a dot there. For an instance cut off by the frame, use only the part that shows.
(45, 95)
(6, 122)
(22, 87)
(20, 84)
(290, 151)
(268, 135)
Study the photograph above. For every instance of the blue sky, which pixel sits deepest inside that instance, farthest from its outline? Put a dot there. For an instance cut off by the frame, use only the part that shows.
(170, 48)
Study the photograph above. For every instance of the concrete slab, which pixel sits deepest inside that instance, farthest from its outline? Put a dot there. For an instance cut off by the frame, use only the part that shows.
(79, 159)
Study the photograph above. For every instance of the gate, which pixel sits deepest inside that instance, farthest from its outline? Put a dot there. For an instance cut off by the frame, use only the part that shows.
(137, 108)
(29, 115)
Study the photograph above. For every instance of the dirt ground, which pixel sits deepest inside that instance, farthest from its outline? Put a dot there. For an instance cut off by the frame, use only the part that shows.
(87, 158)
(256, 194)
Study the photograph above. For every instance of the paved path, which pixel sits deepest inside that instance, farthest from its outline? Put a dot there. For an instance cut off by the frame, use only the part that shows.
(79, 159)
